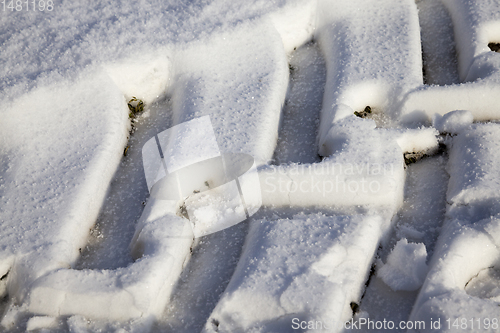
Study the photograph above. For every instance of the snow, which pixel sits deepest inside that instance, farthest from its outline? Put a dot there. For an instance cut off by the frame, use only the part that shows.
(306, 108)
(477, 166)
(419, 221)
(475, 24)
(216, 78)
(297, 136)
(453, 122)
(310, 266)
(39, 322)
(485, 285)
(358, 39)
(161, 245)
(468, 243)
(56, 175)
(363, 172)
(405, 268)
(438, 44)
(90, 170)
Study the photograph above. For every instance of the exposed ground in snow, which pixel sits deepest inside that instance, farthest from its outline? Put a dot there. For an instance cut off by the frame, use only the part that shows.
(373, 126)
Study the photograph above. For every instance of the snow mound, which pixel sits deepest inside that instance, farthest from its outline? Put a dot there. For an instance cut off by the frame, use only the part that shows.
(309, 267)
(405, 268)
(453, 122)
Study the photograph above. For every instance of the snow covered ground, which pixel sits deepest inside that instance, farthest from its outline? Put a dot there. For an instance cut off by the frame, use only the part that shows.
(373, 126)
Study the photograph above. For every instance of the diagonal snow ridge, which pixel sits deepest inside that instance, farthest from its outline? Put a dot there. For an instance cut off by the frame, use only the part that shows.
(469, 240)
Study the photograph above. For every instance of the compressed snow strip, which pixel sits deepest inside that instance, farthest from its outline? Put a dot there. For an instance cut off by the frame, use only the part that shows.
(163, 239)
(405, 268)
(469, 241)
(363, 169)
(39, 322)
(310, 267)
(161, 245)
(240, 82)
(373, 56)
(63, 144)
(476, 23)
(423, 210)
(476, 168)
(453, 122)
(438, 46)
(187, 143)
(297, 140)
(461, 253)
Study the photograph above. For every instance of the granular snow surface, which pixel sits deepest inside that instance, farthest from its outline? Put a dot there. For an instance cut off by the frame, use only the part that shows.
(367, 132)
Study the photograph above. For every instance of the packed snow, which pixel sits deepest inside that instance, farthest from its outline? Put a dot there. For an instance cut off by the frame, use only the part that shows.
(405, 268)
(299, 165)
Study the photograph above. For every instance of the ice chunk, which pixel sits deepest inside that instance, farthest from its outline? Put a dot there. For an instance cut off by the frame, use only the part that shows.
(405, 268)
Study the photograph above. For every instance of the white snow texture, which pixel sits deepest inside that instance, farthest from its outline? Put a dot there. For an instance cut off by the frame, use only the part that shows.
(327, 96)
